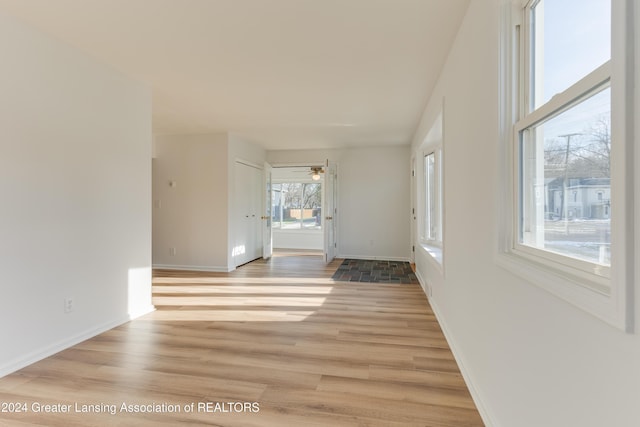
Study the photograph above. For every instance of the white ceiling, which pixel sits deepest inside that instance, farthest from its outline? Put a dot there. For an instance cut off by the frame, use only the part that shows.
(282, 73)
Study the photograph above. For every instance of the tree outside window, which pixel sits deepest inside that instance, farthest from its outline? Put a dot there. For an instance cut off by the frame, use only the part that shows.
(297, 206)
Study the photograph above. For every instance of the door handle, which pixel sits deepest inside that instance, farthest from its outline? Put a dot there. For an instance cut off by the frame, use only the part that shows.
(328, 217)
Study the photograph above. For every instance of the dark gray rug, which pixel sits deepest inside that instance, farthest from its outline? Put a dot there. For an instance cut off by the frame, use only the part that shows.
(359, 270)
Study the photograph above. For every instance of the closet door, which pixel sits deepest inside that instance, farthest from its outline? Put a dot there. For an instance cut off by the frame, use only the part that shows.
(247, 211)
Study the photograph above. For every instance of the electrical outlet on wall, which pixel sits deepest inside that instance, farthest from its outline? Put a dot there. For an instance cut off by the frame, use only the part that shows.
(68, 305)
(173, 251)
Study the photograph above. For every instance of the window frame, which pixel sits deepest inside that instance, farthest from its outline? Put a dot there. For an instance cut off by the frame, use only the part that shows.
(606, 296)
(428, 219)
(433, 143)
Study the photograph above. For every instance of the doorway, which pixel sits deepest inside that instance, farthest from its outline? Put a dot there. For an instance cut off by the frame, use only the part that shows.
(302, 210)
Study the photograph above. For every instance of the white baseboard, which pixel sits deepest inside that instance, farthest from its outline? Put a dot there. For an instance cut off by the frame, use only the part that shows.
(213, 269)
(374, 258)
(455, 349)
(64, 344)
(140, 313)
(425, 285)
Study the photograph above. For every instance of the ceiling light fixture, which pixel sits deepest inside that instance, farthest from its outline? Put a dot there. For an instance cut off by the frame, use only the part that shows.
(315, 173)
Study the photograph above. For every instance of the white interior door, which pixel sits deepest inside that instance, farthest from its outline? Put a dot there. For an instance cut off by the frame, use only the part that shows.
(330, 211)
(267, 232)
(248, 207)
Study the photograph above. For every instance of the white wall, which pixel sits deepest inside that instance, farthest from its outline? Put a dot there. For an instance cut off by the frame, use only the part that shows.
(373, 198)
(530, 358)
(192, 215)
(75, 183)
(374, 203)
(241, 149)
(298, 239)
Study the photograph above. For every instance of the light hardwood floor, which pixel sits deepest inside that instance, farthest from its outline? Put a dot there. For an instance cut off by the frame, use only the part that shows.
(281, 333)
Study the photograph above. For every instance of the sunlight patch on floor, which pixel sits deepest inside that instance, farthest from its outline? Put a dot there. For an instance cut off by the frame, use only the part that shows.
(181, 315)
(237, 299)
(232, 289)
(205, 301)
(242, 280)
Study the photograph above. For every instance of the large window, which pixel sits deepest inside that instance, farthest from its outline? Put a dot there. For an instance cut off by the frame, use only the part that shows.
(297, 206)
(567, 80)
(564, 135)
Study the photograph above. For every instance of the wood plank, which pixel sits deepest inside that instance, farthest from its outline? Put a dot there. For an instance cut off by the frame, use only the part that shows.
(310, 351)
(411, 392)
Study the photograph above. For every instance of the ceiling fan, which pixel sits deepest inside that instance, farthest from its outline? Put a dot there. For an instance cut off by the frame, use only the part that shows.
(315, 172)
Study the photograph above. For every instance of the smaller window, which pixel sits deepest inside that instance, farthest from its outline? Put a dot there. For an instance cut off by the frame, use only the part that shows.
(433, 198)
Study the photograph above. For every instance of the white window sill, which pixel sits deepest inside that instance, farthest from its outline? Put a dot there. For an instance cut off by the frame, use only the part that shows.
(434, 252)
